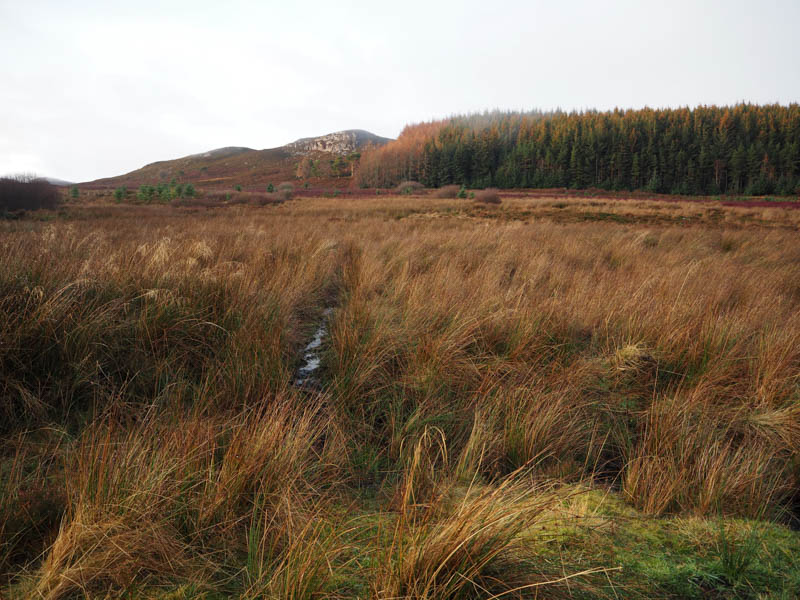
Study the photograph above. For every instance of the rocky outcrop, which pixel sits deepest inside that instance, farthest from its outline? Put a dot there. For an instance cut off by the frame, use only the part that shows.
(340, 142)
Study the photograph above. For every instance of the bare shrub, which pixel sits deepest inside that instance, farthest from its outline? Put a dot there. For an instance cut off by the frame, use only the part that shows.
(196, 202)
(447, 191)
(257, 199)
(285, 190)
(27, 192)
(273, 198)
(238, 199)
(488, 196)
(408, 188)
(213, 199)
(220, 197)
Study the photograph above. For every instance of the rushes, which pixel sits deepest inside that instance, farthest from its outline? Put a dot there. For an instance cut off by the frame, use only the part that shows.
(694, 456)
(221, 314)
(451, 558)
(586, 353)
(268, 456)
(96, 552)
(476, 369)
(302, 568)
(465, 543)
(161, 501)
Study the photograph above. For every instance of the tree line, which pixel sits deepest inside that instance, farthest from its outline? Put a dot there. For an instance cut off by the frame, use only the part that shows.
(27, 192)
(741, 149)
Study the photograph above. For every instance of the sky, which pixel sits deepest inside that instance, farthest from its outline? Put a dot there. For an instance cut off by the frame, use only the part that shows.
(96, 89)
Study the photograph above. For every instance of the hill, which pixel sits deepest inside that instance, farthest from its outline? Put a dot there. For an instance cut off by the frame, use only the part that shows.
(326, 158)
(58, 182)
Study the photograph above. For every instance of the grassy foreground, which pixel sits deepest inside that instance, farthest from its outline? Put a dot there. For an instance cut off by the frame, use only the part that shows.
(544, 399)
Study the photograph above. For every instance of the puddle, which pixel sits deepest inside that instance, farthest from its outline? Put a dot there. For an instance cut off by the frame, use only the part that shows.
(305, 376)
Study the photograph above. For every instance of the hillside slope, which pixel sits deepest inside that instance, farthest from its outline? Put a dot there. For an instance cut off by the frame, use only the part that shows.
(236, 165)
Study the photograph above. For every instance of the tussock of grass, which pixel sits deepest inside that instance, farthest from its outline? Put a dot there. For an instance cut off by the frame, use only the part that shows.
(172, 498)
(96, 552)
(475, 549)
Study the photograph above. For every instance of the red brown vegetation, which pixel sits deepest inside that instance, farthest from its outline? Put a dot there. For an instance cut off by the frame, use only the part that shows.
(483, 371)
(408, 188)
(447, 191)
(488, 196)
(27, 192)
(396, 161)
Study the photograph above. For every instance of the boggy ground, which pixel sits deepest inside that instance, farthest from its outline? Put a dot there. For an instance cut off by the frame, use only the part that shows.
(552, 398)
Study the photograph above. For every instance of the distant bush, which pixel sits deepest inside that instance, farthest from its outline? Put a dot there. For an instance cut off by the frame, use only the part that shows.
(409, 187)
(488, 196)
(231, 200)
(462, 193)
(270, 188)
(448, 191)
(251, 198)
(273, 198)
(203, 202)
(74, 191)
(26, 192)
(285, 190)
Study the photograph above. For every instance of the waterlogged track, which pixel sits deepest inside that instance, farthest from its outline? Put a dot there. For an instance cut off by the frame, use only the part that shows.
(306, 376)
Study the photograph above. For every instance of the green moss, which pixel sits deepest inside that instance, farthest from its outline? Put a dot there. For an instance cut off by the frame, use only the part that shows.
(672, 557)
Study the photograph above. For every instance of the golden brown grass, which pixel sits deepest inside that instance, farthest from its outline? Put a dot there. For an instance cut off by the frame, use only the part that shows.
(588, 329)
(479, 360)
(176, 497)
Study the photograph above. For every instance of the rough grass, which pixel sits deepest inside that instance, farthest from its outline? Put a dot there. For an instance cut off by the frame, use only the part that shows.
(518, 402)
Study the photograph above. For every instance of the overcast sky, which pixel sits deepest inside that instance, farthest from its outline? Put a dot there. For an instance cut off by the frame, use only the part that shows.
(95, 89)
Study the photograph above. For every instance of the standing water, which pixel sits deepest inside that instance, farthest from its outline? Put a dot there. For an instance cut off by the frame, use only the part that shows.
(311, 355)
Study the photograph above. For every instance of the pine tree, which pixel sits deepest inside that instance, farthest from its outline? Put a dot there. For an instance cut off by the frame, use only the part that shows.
(702, 150)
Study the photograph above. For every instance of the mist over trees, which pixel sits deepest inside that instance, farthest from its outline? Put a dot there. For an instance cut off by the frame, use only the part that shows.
(742, 149)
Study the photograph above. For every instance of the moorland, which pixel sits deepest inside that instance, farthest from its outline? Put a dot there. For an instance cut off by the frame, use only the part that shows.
(550, 397)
